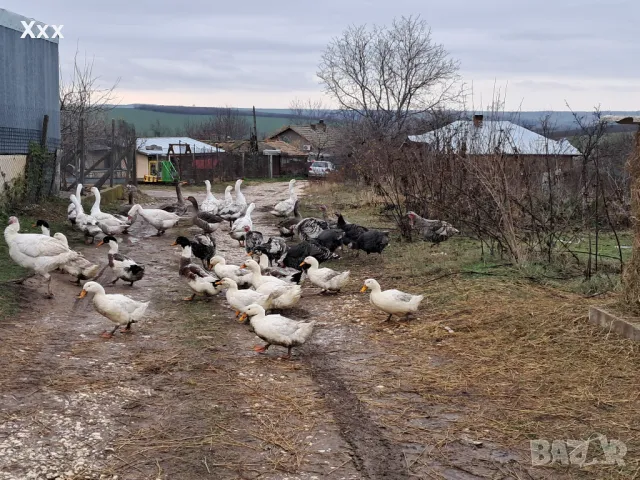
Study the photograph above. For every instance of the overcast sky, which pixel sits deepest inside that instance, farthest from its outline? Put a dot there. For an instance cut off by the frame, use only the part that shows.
(264, 53)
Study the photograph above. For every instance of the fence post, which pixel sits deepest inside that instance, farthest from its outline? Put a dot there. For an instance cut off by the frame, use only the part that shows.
(134, 164)
(82, 152)
(113, 150)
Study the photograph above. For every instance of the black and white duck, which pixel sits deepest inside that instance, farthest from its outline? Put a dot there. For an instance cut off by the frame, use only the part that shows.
(198, 279)
(123, 267)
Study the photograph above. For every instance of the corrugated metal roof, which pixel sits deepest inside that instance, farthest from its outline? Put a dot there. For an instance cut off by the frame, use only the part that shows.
(494, 136)
(14, 22)
(160, 145)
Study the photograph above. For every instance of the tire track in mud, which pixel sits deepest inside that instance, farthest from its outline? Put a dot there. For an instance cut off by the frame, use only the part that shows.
(373, 454)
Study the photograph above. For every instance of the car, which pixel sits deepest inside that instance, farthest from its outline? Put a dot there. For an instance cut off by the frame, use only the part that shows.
(320, 168)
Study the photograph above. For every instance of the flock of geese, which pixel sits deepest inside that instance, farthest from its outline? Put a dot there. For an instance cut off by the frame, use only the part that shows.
(270, 279)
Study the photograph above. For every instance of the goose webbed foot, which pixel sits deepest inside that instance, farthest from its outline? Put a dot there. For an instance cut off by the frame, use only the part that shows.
(189, 299)
(261, 348)
(389, 317)
(287, 356)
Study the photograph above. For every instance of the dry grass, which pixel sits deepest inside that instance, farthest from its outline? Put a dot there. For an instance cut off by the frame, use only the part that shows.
(523, 362)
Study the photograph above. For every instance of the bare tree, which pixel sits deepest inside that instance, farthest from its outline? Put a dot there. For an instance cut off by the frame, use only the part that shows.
(307, 110)
(83, 101)
(386, 76)
(227, 124)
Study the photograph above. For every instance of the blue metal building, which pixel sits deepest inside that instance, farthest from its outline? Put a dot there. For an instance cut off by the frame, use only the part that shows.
(29, 85)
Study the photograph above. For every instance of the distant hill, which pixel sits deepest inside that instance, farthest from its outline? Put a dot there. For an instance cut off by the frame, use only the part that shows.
(269, 120)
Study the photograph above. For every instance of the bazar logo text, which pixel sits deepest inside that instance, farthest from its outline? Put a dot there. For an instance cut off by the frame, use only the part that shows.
(42, 30)
(574, 452)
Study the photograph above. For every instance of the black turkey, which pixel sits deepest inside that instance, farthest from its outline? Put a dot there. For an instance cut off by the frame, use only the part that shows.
(275, 249)
(351, 230)
(297, 253)
(434, 231)
(331, 238)
(372, 241)
(310, 228)
(252, 239)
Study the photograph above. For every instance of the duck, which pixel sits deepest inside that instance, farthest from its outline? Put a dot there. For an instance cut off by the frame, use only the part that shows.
(207, 221)
(159, 219)
(199, 279)
(102, 216)
(285, 208)
(120, 309)
(277, 330)
(242, 277)
(391, 301)
(257, 279)
(237, 229)
(44, 227)
(123, 267)
(240, 299)
(290, 275)
(178, 207)
(228, 199)
(79, 268)
(34, 251)
(236, 208)
(285, 227)
(203, 247)
(211, 203)
(327, 279)
(85, 223)
(71, 209)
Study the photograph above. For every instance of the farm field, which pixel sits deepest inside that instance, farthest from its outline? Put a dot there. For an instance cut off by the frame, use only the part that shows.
(496, 357)
(144, 119)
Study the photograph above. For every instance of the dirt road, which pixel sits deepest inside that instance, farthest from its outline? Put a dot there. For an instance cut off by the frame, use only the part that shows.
(186, 397)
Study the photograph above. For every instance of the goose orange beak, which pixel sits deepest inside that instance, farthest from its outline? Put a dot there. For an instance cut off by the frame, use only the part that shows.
(83, 294)
(249, 254)
(34, 225)
(99, 243)
(242, 318)
(303, 263)
(173, 244)
(363, 289)
(243, 266)
(219, 282)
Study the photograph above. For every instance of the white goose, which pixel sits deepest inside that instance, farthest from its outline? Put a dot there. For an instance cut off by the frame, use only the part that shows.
(85, 223)
(238, 228)
(240, 299)
(37, 252)
(210, 203)
(391, 301)
(80, 268)
(109, 224)
(120, 309)
(325, 278)
(285, 208)
(277, 330)
(159, 219)
(71, 209)
(236, 208)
